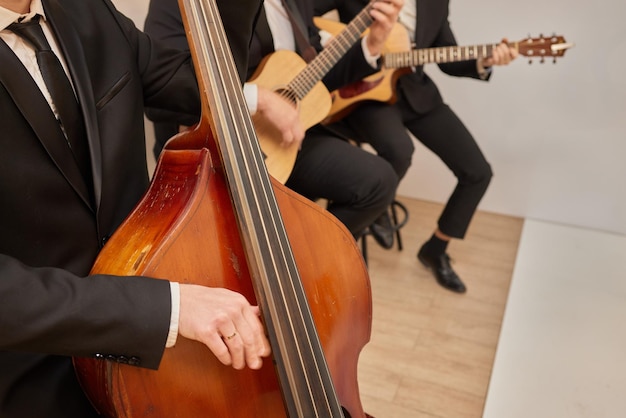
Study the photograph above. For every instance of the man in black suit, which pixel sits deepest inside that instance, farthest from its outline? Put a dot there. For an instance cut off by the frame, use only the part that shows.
(421, 109)
(54, 218)
(357, 184)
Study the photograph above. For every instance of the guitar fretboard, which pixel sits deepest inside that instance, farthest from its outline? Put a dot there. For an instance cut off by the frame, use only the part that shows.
(332, 52)
(445, 54)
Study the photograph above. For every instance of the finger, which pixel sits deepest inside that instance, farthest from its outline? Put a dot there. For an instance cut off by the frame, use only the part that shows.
(235, 345)
(299, 134)
(384, 12)
(383, 17)
(218, 347)
(287, 139)
(253, 340)
(499, 56)
(253, 337)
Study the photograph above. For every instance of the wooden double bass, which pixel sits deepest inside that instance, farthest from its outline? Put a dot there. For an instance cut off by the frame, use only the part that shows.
(213, 216)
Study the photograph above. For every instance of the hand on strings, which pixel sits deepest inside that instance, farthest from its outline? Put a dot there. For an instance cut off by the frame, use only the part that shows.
(501, 55)
(385, 15)
(226, 323)
(282, 114)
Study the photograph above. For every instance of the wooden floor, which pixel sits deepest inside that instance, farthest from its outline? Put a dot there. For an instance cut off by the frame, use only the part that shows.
(431, 350)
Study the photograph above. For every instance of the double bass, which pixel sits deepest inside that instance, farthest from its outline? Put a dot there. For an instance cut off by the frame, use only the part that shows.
(213, 216)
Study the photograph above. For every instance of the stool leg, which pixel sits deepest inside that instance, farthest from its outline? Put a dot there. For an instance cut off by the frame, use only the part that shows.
(364, 247)
(394, 214)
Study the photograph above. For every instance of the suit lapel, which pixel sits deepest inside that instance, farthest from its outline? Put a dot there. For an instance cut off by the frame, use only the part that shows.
(264, 33)
(72, 50)
(28, 98)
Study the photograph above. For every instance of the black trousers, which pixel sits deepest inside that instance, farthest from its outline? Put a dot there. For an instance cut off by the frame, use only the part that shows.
(358, 185)
(384, 127)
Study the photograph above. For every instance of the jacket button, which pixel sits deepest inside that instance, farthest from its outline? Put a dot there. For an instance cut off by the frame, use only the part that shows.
(134, 361)
(104, 240)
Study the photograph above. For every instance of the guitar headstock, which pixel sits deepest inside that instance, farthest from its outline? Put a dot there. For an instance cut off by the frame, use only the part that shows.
(543, 46)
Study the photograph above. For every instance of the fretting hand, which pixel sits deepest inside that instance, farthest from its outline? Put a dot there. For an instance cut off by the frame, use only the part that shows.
(501, 55)
(385, 15)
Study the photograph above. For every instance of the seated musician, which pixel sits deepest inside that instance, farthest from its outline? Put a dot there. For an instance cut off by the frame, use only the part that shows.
(421, 110)
(357, 184)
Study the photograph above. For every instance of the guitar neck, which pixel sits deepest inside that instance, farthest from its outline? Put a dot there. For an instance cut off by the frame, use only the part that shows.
(418, 57)
(332, 52)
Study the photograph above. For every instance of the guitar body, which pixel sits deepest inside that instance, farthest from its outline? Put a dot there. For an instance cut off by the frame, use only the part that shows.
(380, 86)
(274, 73)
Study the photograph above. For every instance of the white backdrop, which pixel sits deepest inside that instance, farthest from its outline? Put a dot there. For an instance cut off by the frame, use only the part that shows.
(555, 134)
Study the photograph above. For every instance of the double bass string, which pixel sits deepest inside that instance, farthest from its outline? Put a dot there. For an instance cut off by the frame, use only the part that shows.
(302, 370)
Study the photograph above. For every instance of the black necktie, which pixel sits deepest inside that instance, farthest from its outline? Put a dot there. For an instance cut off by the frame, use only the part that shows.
(306, 49)
(61, 91)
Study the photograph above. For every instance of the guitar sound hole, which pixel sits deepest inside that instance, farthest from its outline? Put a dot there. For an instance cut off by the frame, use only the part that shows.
(289, 95)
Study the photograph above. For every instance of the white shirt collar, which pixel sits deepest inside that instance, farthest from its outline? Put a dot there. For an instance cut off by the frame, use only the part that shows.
(8, 16)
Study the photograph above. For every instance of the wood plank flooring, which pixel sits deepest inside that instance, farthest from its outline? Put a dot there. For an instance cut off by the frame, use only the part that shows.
(431, 350)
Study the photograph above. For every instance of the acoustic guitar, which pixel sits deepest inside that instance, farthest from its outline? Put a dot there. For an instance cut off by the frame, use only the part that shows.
(399, 58)
(287, 74)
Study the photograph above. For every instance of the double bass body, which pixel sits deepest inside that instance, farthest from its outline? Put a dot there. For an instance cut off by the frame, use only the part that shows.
(184, 228)
(212, 216)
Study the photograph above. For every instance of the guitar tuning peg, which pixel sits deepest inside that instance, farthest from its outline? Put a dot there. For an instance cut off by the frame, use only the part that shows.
(542, 60)
(530, 62)
(554, 60)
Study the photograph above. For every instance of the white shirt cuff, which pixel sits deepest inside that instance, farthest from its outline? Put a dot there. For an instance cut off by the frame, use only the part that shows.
(251, 94)
(483, 72)
(371, 59)
(173, 333)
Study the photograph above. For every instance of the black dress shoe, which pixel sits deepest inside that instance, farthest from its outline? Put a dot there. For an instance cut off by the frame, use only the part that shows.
(383, 231)
(442, 270)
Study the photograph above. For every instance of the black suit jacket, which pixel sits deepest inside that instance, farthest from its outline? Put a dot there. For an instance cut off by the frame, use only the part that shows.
(51, 232)
(432, 30)
(165, 23)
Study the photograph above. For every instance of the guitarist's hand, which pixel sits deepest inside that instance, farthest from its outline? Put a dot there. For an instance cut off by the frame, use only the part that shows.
(385, 15)
(282, 114)
(501, 55)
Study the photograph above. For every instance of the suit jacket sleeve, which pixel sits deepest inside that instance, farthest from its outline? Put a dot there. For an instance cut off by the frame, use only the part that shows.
(49, 237)
(107, 313)
(446, 37)
(164, 23)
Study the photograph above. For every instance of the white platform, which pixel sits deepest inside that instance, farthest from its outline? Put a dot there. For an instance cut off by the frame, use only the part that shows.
(562, 348)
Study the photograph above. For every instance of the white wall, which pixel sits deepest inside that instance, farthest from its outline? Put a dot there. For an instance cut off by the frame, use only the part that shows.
(135, 9)
(555, 134)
